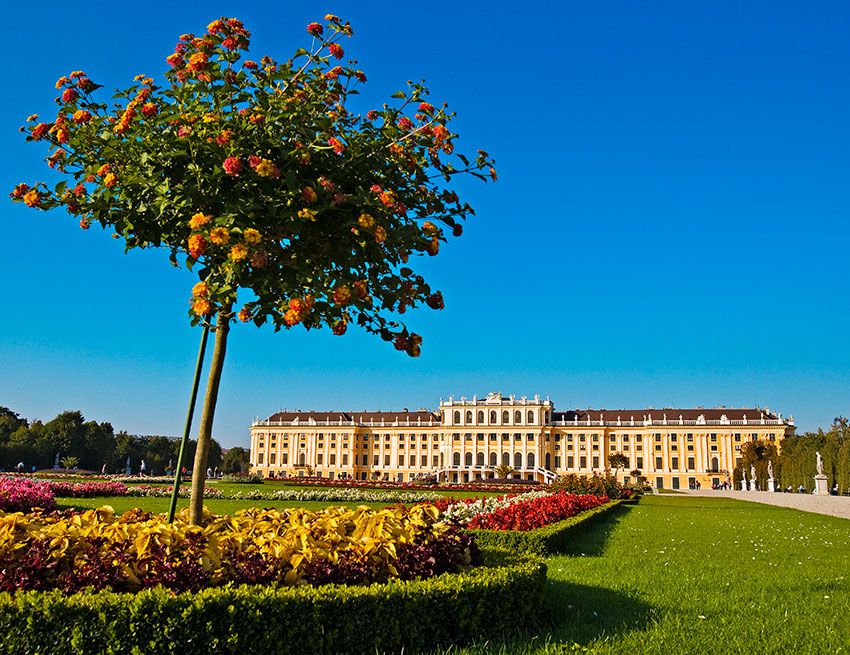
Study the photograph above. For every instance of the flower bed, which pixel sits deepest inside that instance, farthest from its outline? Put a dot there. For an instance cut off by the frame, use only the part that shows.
(546, 540)
(340, 495)
(537, 512)
(97, 549)
(461, 511)
(399, 616)
(518, 487)
(87, 489)
(24, 494)
(146, 491)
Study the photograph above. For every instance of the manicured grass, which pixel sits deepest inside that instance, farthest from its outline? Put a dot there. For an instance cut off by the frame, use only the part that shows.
(123, 503)
(270, 486)
(676, 575)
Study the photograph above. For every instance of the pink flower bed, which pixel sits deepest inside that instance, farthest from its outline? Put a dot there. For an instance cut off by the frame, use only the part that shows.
(88, 489)
(23, 495)
(537, 512)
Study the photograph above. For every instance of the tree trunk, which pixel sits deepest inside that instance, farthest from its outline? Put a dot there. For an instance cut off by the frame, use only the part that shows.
(199, 474)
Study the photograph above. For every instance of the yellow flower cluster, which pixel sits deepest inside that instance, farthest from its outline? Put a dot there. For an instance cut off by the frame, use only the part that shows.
(288, 540)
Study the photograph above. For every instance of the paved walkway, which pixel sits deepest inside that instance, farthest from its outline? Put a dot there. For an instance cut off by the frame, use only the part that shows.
(832, 505)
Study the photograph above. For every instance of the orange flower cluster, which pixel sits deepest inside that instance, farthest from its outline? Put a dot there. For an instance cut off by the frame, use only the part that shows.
(298, 310)
(263, 167)
(141, 99)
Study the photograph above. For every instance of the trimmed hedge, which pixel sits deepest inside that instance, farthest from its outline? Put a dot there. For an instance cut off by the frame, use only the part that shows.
(486, 602)
(543, 541)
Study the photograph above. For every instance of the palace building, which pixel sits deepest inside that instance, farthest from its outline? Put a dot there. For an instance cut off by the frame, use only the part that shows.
(469, 438)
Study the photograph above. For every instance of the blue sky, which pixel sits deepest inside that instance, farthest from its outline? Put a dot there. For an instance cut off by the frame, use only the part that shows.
(669, 227)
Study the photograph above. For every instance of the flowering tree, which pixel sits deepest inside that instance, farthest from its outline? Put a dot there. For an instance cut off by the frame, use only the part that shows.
(257, 176)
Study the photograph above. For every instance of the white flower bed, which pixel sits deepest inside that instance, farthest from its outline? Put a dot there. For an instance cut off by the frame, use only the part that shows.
(462, 513)
(340, 495)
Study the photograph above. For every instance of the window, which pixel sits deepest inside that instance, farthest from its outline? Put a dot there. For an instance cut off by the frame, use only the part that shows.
(259, 458)
(674, 437)
(517, 417)
(332, 459)
(457, 418)
(376, 460)
(530, 460)
(506, 459)
(345, 459)
(530, 416)
(658, 437)
(675, 483)
(517, 436)
(424, 460)
(493, 418)
(365, 460)
(675, 463)
(469, 417)
(639, 462)
(530, 436)
(386, 460)
(517, 460)
(413, 460)
(506, 417)
(455, 459)
(658, 465)
(467, 459)
(582, 462)
(319, 458)
(691, 462)
(435, 460)
(571, 461)
(272, 458)
(284, 458)
(493, 459)
(467, 437)
(596, 462)
(480, 417)
(479, 459)
(557, 461)
(479, 436)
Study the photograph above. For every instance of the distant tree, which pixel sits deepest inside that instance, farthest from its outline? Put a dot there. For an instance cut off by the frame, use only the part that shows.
(69, 461)
(504, 471)
(236, 460)
(618, 461)
(756, 453)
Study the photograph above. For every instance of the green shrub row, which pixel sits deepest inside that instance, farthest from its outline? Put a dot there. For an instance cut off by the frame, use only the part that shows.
(487, 602)
(546, 540)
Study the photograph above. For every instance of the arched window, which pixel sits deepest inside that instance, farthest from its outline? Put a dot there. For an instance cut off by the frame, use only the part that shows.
(517, 460)
(469, 417)
(456, 459)
(546, 417)
(457, 418)
(530, 460)
(302, 459)
(530, 416)
(480, 417)
(479, 459)
(506, 417)
(517, 417)
(493, 459)
(506, 459)
(715, 465)
(467, 459)
(548, 461)
(493, 418)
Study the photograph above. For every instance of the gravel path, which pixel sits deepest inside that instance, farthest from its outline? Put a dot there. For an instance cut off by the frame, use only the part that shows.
(832, 505)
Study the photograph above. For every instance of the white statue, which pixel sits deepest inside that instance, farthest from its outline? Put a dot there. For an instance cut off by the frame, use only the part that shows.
(819, 463)
(770, 468)
(753, 472)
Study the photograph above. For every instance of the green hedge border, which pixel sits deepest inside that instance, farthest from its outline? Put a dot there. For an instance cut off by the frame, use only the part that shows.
(492, 601)
(547, 540)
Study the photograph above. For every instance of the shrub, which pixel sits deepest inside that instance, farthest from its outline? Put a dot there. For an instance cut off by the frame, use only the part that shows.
(397, 616)
(23, 495)
(599, 485)
(547, 540)
(71, 551)
(243, 478)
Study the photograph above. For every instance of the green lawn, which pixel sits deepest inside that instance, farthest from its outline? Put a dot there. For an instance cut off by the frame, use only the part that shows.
(270, 486)
(677, 575)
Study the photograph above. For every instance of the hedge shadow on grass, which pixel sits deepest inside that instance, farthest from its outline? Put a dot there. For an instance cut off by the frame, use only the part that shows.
(590, 538)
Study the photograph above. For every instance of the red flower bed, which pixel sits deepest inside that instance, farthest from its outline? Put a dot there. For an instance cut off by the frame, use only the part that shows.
(519, 487)
(536, 513)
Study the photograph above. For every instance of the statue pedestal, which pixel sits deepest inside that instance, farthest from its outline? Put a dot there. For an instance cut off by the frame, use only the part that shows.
(820, 485)
(771, 484)
(753, 486)
(743, 485)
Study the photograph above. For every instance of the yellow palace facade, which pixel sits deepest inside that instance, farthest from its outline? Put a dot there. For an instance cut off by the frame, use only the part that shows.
(468, 438)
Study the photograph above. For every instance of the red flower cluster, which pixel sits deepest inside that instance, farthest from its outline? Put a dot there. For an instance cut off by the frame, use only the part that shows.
(23, 495)
(536, 513)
